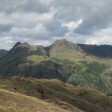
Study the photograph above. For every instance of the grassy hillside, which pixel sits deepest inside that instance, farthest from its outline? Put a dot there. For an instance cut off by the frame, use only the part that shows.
(64, 95)
(17, 102)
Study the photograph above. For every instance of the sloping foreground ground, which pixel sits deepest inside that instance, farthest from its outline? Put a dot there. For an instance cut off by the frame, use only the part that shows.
(16, 102)
(50, 96)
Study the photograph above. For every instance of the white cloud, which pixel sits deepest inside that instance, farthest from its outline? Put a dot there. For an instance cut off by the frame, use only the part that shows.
(4, 19)
(6, 42)
(92, 41)
(103, 36)
(41, 42)
(41, 29)
(73, 25)
(38, 29)
(24, 18)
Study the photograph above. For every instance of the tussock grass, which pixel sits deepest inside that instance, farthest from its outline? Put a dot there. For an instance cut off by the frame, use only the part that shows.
(53, 92)
(16, 102)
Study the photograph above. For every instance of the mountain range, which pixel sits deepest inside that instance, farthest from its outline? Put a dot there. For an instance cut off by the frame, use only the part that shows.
(82, 65)
(73, 77)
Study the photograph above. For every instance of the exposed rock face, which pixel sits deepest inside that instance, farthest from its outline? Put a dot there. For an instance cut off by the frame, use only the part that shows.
(26, 49)
(64, 45)
(17, 44)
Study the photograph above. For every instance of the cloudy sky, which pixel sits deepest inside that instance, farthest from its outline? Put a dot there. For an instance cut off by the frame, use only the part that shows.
(44, 21)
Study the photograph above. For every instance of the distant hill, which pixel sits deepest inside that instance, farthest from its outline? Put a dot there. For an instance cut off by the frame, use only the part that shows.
(86, 66)
(3, 52)
(102, 51)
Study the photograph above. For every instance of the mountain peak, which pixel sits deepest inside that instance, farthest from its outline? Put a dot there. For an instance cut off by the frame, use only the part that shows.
(63, 44)
(21, 45)
(64, 41)
(24, 45)
(17, 44)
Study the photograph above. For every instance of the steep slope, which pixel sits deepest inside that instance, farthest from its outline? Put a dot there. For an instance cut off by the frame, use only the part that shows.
(17, 102)
(24, 49)
(64, 96)
(26, 60)
(63, 49)
(102, 51)
(17, 56)
(81, 66)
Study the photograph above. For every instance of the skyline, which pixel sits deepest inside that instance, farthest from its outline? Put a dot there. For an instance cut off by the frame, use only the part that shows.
(44, 21)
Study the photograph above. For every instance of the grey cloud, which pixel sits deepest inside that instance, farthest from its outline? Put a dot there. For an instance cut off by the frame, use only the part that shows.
(35, 6)
(23, 6)
(56, 29)
(5, 28)
(95, 14)
(99, 19)
(7, 6)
